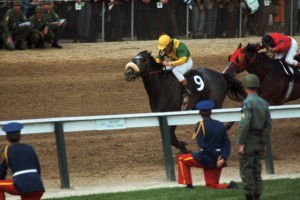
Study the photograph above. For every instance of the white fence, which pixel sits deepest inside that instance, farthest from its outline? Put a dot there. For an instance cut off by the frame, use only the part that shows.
(113, 122)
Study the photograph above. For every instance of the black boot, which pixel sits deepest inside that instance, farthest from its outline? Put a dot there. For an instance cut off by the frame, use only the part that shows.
(189, 186)
(40, 44)
(56, 45)
(256, 196)
(249, 197)
(233, 185)
(20, 45)
(29, 45)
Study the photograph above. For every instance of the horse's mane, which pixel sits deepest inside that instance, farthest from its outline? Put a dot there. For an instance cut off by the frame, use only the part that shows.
(154, 64)
(251, 47)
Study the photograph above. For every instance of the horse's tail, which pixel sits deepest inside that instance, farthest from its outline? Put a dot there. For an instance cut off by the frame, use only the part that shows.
(235, 88)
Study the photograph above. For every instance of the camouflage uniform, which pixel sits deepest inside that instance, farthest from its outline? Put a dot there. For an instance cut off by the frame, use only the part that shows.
(16, 25)
(56, 25)
(37, 34)
(254, 130)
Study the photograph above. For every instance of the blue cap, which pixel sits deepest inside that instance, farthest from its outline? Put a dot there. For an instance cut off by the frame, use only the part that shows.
(13, 127)
(205, 105)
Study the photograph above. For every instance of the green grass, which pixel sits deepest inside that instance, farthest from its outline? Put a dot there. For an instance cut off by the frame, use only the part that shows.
(280, 189)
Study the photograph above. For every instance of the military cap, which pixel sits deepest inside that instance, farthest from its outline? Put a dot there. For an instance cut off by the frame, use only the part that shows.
(48, 2)
(205, 105)
(251, 81)
(12, 128)
(39, 9)
(17, 3)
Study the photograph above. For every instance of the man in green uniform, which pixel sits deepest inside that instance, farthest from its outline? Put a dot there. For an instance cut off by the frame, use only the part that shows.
(5, 39)
(40, 30)
(16, 25)
(57, 25)
(254, 131)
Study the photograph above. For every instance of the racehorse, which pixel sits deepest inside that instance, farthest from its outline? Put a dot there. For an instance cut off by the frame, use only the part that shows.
(165, 92)
(279, 83)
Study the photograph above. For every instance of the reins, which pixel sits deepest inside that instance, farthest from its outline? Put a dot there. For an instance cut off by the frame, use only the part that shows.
(252, 59)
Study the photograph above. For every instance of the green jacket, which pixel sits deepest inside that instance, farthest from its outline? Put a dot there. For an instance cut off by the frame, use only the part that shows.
(51, 16)
(256, 124)
(38, 25)
(11, 20)
(179, 54)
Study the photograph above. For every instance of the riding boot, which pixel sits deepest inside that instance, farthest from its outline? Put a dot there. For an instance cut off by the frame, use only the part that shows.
(187, 89)
(249, 197)
(256, 196)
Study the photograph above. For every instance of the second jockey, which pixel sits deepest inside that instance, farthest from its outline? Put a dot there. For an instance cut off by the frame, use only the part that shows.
(283, 47)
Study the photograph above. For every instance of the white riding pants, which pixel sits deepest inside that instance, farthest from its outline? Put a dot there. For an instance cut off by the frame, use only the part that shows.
(290, 54)
(180, 70)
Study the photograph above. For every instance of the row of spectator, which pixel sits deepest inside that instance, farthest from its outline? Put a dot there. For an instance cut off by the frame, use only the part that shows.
(206, 18)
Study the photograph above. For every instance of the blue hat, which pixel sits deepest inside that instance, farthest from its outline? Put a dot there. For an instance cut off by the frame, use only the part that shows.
(13, 127)
(205, 105)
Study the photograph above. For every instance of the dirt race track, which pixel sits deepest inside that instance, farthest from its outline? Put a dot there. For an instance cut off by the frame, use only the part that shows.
(87, 80)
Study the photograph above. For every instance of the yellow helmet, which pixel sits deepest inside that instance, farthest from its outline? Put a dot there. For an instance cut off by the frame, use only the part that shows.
(163, 41)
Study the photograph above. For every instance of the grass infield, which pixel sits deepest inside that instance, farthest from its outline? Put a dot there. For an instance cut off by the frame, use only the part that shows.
(281, 189)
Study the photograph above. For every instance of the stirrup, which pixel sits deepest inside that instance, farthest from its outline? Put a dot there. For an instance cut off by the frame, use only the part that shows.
(186, 92)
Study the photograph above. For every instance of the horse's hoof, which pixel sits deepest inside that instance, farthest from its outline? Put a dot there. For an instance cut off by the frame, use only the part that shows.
(182, 147)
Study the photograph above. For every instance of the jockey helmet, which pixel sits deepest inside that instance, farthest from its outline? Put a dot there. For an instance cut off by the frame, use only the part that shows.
(163, 41)
(250, 81)
(267, 40)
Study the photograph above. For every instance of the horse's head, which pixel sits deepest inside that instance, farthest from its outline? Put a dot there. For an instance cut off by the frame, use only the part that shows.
(240, 58)
(140, 65)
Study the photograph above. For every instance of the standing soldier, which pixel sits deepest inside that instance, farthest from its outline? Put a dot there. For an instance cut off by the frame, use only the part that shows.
(16, 25)
(40, 30)
(57, 25)
(254, 131)
(24, 164)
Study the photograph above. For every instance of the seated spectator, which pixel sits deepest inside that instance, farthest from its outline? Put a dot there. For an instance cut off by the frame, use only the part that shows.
(40, 30)
(56, 24)
(16, 26)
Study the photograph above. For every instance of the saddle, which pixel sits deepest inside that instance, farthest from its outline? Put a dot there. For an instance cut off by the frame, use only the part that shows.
(291, 71)
(294, 76)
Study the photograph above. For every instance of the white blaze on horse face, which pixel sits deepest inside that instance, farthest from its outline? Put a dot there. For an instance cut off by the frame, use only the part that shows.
(199, 81)
(132, 66)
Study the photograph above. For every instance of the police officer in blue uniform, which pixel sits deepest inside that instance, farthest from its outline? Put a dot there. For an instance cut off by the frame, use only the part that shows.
(24, 164)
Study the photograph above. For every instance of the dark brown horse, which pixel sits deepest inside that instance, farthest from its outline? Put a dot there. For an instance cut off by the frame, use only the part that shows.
(279, 83)
(165, 92)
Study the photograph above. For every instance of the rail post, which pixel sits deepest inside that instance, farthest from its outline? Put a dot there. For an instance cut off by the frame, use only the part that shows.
(166, 141)
(62, 155)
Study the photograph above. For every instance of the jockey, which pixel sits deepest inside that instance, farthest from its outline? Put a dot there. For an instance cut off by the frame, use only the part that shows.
(179, 56)
(282, 46)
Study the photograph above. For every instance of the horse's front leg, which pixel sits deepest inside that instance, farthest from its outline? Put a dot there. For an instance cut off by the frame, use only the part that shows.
(181, 145)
